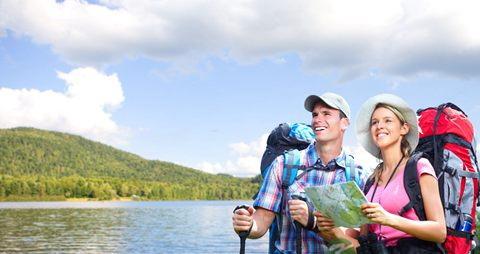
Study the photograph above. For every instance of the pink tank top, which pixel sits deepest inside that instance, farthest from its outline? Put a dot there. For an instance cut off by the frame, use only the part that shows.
(393, 199)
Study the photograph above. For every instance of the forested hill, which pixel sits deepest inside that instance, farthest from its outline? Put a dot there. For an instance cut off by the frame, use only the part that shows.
(32, 161)
(32, 151)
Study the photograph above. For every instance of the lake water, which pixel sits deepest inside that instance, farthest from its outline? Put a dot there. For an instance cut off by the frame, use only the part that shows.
(121, 227)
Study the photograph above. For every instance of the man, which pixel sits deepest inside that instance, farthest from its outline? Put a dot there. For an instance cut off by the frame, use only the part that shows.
(330, 119)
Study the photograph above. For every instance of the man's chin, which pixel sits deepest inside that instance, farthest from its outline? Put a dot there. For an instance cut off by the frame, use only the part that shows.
(321, 139)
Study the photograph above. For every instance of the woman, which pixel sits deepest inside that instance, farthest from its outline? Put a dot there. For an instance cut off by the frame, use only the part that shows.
(388, 129)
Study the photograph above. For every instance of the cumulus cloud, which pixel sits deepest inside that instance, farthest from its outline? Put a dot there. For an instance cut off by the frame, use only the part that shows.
(85, 108)
(400, 37)
(245, 160)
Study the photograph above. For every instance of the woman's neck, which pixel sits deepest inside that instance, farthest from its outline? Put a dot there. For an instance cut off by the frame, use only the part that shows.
(391, 158)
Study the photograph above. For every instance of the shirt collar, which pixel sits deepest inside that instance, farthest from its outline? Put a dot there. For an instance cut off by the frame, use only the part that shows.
(338, 162)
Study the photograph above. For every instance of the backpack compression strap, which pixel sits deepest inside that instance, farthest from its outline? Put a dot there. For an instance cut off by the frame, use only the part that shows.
(437, 159)
(412, 187)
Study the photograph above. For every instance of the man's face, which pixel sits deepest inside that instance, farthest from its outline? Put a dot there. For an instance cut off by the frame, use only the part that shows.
(326, 123)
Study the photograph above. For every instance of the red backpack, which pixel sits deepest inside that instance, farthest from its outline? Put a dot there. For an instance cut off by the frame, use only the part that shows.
(446, 138)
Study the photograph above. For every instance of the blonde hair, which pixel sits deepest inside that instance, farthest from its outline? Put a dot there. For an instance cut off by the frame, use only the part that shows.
(404, 145)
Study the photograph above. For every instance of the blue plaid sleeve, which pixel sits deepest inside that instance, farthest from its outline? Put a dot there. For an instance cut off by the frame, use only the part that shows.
(270, 194)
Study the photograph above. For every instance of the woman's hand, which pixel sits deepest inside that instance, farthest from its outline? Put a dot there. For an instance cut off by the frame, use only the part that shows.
(376, 214)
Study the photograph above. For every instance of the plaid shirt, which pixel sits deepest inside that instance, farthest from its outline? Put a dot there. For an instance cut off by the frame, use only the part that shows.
(270, 195)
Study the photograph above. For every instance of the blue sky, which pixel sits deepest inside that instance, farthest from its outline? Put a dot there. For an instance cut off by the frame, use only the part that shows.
(202, 83)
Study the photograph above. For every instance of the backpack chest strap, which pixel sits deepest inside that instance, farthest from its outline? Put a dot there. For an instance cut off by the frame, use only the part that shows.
(468, 174)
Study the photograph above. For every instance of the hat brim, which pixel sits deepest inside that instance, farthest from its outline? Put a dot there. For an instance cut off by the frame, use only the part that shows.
(362, 123)
(311, 101)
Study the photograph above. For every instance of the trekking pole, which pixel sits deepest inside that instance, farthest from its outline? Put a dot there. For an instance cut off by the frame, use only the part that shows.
(243, 237)
(298, 227)
(243, 234)
(298, 236)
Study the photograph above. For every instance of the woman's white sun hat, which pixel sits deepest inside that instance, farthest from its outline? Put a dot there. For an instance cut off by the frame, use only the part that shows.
(362, 122)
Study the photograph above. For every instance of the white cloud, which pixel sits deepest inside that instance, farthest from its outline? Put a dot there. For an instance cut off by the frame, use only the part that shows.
(245, 162)
(246, 159)
(400, 37)
(84, 108)
(240, 148)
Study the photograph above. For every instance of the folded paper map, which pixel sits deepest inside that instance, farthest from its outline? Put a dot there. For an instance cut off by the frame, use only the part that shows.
(340, 202)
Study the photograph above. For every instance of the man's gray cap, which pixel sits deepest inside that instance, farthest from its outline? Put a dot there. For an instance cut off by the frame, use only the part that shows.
(331, 99)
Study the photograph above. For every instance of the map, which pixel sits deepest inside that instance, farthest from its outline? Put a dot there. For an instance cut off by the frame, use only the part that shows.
(340, 202)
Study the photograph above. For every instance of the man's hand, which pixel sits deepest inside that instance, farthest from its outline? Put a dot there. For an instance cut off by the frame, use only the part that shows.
(243, 219)
(299, 211)
(323, 223)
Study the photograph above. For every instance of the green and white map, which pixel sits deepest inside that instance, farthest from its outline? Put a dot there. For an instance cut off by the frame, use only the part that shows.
(340, 202)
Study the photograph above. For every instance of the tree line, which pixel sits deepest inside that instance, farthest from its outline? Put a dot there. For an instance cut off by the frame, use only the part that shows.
(46, 188)
(46, 165)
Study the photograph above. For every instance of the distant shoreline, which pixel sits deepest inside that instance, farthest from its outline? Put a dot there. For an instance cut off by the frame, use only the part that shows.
(23, 199)
(90, 199)
(72, 200)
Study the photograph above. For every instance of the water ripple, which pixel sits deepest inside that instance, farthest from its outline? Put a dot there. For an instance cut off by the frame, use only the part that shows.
(121, 227)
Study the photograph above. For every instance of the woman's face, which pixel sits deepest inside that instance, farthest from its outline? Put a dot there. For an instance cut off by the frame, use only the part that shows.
(386, 129)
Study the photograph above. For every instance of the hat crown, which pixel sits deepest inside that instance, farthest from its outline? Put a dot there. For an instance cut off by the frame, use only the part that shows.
(333, 100)
(364, 115)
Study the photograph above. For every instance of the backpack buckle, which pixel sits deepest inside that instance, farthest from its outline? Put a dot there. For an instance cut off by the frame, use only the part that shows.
(454, 207)
(451, 171)
(412, 184)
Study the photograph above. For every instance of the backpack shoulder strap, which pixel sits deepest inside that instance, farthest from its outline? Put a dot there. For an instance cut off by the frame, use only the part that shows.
(351, 170)
(412, 187)
(368, 184)
(291, 164)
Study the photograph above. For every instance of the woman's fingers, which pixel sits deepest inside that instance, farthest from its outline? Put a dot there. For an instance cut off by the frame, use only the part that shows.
(369, 210)
(369, 205)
